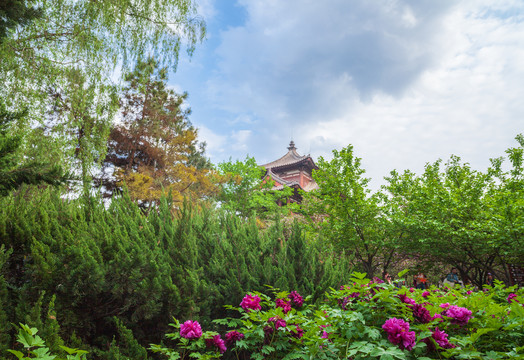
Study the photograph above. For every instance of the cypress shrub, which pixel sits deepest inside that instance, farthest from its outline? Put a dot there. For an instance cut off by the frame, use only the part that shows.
(109, 279)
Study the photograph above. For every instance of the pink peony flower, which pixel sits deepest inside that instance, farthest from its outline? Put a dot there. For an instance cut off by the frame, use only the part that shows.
(421, 314)
(458, 315)
(190, 330)
(268, 330)
(442, 339)
(250, 302)
(296, 299)
(436, 316)
(232, 337)
(217, 342)
(278, 322)
(406, 300)
(285, 305)
(298, 333)
(399, 334)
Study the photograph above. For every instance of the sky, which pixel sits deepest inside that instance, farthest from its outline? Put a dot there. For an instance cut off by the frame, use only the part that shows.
(404, 82)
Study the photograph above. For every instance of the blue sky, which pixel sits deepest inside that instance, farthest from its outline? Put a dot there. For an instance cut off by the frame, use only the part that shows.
(404, 82)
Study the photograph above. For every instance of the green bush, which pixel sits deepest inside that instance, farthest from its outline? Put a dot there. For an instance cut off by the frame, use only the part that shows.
(365, 320)
(70, 267)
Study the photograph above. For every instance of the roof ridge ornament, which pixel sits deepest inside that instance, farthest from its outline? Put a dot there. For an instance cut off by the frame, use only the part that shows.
(291, 146)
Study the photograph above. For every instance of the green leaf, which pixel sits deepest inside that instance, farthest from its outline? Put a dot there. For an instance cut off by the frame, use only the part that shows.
(72, 351)
(267, 349)
(294, 355)
(402, 273)
(29, 330)
(18, 354)
(43, 354)
(174, 356)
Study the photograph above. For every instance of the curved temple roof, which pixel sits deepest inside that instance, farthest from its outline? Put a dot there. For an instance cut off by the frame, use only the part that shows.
(291, 160)
(292, 157)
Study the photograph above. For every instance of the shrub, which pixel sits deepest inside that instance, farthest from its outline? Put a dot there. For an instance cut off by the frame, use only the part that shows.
(367, 320)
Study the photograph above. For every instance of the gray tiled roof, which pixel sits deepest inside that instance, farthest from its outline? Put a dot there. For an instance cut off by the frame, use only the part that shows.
(292, 157)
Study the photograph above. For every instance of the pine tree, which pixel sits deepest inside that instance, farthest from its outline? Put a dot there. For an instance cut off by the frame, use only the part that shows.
(154, 150)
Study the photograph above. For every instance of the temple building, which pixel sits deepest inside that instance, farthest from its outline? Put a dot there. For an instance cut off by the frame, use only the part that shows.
(292, 170)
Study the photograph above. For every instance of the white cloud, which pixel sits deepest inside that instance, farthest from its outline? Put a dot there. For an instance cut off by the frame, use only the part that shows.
(216, 143)
(206, 9)
(239, 140)
(406, 82)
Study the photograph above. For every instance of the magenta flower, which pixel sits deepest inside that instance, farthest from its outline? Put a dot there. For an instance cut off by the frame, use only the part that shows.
(190, 330)
(421, 314)
(511, 297)
(444, 305)
(217, 342)
(399, 334)
(298, 333)
(425, 294)
(406, 300)
(296, 299)
(268, 330)
(285, 305)
(436, 316)
(325, 335)
(278, 322)
(250, 302)
(458, 315)
(469, 292)
(442, 339)
(232, 337)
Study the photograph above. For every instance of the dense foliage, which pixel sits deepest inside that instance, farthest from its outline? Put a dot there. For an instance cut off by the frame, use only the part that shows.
(61, 59)
(15, 170)
(466, 218)
(178, 237)
(153, 149)
(364, 320)
(78, 271)
(244, 190)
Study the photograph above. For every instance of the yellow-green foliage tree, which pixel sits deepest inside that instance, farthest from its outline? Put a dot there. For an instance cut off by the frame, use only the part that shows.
(62, 55)
(154, 148)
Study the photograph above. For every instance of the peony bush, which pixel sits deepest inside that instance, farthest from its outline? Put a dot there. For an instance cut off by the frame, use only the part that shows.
(363, 320)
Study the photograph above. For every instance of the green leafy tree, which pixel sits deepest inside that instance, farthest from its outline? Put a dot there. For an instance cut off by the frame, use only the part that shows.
(446, 217)
(245, 190)
(15, 13)
(505, 200)
(15, 170)
(66, 59)
(354, 218)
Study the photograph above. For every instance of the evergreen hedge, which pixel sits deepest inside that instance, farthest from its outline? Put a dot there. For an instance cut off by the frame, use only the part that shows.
(109, 280)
